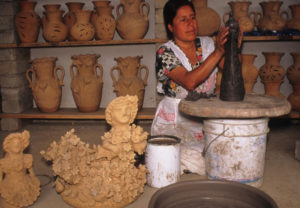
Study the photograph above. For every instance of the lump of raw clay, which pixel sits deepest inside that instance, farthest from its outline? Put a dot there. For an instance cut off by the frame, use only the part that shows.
(104, 175)
(19, 186)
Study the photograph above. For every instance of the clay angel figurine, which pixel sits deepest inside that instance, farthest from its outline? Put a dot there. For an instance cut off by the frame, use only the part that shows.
(19, 186)
(105, 175)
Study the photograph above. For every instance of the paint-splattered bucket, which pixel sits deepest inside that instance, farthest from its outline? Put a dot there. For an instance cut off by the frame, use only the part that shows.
(162, 160)
(235, 149)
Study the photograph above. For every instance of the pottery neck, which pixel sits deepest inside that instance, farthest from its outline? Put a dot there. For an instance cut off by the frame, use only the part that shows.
(100, 3)
(83, 16)
(296, 58)
(54, 16)
(44, 68)
(248, 58)
(27, 6)
(200, 3)
(74, 6)
(51, 7)
(85, 64)
(295, 11)
(131, 7)
(104, 10)
(272, 58)
(271, 8)
(239, 8)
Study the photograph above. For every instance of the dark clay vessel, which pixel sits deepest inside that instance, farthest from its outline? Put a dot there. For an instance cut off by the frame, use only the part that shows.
(232, 83)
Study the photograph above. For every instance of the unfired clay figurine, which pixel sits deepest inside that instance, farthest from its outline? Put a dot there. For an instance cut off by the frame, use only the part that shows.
(104, 175)
(18, 185)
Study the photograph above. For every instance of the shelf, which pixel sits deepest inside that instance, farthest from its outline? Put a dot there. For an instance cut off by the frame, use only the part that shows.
(73, 113)
(82, 43)
(271, 38)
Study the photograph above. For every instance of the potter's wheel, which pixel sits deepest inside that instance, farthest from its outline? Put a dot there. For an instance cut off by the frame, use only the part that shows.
(210, 194)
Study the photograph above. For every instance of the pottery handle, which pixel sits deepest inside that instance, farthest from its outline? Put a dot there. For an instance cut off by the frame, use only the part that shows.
(101, 71)
(61, 79)
(29, 78)
(224, 17)
(113, 76)
(146, 75)
(257, 17)
(118, 9)
(71, 70)
(284, 13)
(147, 9)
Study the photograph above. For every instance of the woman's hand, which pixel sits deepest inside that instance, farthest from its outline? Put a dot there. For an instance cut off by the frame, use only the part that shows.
(222, 39)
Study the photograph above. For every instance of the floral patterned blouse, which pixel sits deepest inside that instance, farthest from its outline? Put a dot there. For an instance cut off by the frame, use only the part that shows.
(166, 61)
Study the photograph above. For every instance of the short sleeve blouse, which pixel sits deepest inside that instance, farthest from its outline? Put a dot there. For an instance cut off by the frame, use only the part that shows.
(166, 61)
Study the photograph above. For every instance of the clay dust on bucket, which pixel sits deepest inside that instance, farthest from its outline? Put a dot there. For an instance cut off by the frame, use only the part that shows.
(162, 160)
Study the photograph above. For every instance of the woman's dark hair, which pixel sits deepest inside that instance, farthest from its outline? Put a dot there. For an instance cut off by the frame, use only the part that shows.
(170, 10)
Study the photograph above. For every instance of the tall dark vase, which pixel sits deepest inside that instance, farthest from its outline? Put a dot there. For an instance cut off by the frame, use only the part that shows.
(232, 83)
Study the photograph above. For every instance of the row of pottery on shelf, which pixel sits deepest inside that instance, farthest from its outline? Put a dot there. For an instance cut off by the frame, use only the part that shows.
(271, 74)
(271, 19)
(82, 25)
(86, 82)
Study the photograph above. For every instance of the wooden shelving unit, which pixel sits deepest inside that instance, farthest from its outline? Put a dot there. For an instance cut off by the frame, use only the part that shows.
(73, 113)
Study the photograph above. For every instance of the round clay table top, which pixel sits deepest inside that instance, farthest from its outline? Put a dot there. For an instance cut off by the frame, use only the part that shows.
(253, 106)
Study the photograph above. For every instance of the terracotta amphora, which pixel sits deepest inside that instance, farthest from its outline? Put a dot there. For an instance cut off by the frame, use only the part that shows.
(86, 83)
(105, 23)
(240, 13)
(99, 3)
(208, 19)
(272, 74)
(27, 22)
(293, 75)
(70, 18)
(133, 23)
(294, 23)
(45, 84)
(249, 71)
(54, 30)
(83, 30)
(271, 19)
(130, 81)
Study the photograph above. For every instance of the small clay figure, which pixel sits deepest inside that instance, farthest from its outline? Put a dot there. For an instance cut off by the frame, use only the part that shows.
(232, 83)
(19, 186)
(105, 175)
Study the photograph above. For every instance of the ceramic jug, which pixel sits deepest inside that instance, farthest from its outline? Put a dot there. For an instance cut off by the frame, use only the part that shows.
(99, 3)
(54, 30)
(133, 22)
(129, 80)
(272, 74)
(105, 23)
(70, 18)
(294, 23)
(271, 19)
(27, 22)
(240, 13)
(45, 84)
(86, 83)
(83, 30)
(293, 75)
(208, 19)
(249, 71)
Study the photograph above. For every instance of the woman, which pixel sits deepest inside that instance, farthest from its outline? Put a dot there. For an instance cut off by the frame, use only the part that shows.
(185, 63)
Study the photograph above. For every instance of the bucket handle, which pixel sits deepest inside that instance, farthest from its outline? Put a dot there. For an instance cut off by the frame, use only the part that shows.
(206, 148)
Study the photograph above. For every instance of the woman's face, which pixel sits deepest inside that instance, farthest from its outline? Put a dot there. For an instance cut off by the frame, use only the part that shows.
(184, 26)
(121, 114)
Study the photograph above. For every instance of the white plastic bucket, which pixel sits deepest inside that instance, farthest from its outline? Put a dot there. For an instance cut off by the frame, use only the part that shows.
(235, 149)
(162, 160)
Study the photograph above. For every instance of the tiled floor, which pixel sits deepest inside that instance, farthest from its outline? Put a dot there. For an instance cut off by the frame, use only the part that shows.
(282, 171)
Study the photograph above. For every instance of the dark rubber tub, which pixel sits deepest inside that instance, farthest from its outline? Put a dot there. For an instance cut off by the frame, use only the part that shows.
(210, 194)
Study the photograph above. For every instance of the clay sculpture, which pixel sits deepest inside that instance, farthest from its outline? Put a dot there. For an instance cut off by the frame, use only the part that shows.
(19, 186)
(104, 175)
